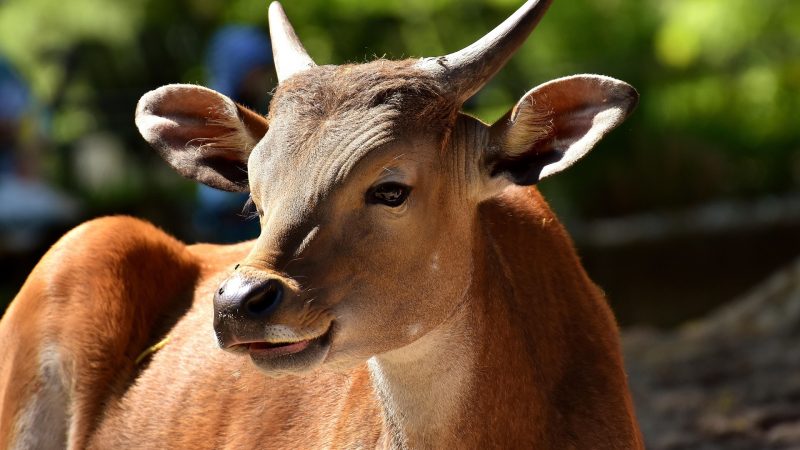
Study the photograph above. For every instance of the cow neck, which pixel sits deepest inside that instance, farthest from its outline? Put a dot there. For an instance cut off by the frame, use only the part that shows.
(493, 373)
(428, 388)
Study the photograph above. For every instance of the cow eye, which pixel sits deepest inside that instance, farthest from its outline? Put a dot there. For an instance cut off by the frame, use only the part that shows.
(389, 194)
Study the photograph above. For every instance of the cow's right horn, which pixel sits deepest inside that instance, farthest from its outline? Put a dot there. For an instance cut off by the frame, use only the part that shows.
(289, 54)
(469, 69)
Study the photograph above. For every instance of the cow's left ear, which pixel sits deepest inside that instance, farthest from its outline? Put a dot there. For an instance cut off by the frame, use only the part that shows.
(203, 134)
(556, 124)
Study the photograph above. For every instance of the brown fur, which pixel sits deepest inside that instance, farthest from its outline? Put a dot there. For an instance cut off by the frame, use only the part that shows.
(457, 318)
(551, 375)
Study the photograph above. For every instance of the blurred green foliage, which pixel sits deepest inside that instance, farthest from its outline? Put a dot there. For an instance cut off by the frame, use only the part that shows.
(719, 79)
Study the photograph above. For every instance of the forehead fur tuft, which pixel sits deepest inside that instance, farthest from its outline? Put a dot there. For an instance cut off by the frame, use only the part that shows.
(328, 91)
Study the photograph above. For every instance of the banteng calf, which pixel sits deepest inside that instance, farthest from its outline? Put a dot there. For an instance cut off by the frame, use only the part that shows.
(410, 287)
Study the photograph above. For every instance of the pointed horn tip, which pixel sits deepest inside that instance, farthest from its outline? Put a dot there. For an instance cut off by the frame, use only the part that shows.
(275, 8)
(470, 68)
(532, 3)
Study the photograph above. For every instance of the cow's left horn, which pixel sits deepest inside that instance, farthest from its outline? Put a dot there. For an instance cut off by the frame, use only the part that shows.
(468, 70)
(289, 54)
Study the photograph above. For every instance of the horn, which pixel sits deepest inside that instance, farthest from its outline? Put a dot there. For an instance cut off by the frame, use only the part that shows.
(288, 53)
(469, 69)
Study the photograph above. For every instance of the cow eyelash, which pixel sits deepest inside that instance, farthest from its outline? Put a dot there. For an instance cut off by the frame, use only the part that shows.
(249, 210)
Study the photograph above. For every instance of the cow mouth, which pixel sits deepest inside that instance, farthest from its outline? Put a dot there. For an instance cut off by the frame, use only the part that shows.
(287, 356)
(278, 348)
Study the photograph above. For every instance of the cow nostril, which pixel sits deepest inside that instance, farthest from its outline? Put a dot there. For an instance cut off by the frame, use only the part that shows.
(264, 300)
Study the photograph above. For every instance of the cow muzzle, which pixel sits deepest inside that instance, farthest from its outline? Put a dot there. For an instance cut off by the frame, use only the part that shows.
(247, 299)
(244, 305)
(263, 317)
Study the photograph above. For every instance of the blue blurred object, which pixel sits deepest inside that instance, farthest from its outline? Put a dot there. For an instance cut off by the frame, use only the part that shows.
(14, 95)
(28, 208)
(234, 52)
(219, 216)
(14, 102)
(28, 205)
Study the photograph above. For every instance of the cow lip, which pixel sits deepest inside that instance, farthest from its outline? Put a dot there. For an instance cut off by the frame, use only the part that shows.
(284, 348)
(268, 349)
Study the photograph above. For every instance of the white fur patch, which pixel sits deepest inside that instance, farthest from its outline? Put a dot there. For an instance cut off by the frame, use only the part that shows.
(435, 262)
(43, 422)
(414, 329)
(422, 386)
(384, 390)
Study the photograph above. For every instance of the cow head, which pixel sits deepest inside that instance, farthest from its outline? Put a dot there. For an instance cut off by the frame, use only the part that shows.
(366, 179)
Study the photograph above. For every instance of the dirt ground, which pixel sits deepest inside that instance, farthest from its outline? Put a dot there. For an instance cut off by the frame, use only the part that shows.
(730, 381)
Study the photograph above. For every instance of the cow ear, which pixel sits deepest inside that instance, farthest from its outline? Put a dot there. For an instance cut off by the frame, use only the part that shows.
(203, 134)
(556, 124)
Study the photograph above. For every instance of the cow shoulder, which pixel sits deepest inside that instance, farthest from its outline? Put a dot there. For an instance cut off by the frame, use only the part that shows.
(105, 292)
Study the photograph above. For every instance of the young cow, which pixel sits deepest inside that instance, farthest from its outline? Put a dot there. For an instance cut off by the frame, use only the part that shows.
(409, 289)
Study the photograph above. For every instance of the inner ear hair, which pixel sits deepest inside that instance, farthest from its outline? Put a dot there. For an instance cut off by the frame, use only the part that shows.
(530, 122)
(255, 124)
(234, 144)
(514, 139)
(244, 127)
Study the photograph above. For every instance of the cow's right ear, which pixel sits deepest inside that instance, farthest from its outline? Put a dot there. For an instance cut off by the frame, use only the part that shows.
(553, 126)
(203, 134)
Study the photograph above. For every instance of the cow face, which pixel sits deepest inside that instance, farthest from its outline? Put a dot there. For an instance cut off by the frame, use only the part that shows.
(366, 179)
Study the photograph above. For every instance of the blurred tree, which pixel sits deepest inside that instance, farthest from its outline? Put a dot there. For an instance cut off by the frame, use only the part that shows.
(720, 79)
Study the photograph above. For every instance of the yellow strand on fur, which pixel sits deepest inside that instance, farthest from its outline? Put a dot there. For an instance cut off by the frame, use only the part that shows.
(150, 350)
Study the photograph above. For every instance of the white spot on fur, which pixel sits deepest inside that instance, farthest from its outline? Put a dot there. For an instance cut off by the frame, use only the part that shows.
(435, 262)
(43, 422)
(414, 329)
